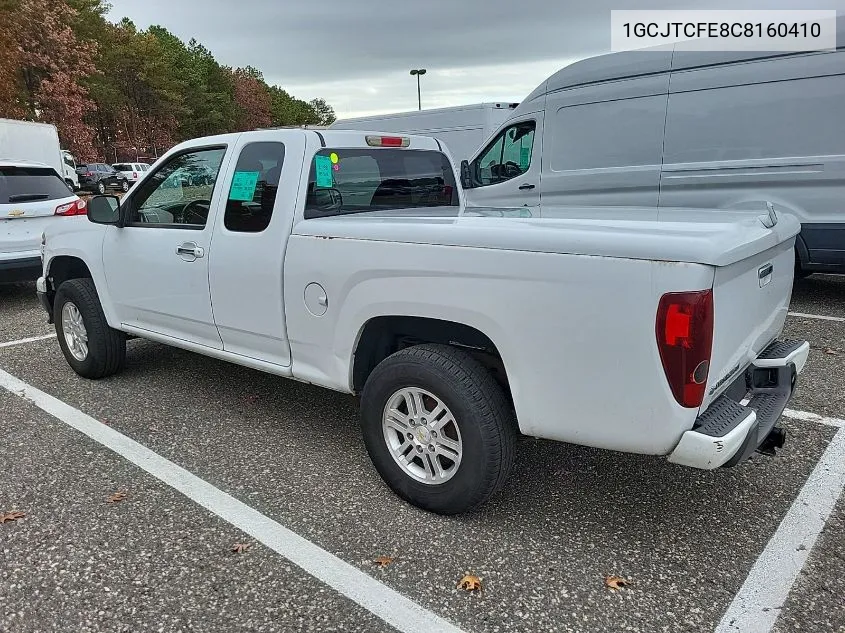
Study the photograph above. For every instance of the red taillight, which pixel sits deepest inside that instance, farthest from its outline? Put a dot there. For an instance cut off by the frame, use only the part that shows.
(685, 341)
(89, 173)
(77, 207)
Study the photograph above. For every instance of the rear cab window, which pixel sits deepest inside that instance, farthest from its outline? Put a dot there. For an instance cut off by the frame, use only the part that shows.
(30, 184)
(345, 181)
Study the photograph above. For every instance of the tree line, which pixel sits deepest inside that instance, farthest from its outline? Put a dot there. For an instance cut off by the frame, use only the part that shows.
(115, 91)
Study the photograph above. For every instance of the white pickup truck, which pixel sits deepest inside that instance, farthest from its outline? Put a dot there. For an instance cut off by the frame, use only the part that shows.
(347, 260)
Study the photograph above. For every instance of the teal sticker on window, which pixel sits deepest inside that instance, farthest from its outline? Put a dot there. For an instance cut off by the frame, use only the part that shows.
(243, 186)
(323, 167)
(524, 157)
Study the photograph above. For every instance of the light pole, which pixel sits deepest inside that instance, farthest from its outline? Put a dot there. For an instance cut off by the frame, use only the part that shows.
(418, 72)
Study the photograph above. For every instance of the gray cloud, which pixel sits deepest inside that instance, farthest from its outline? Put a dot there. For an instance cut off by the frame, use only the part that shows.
(357, 53)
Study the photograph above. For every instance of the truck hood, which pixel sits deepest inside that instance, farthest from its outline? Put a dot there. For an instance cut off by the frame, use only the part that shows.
(715, 237)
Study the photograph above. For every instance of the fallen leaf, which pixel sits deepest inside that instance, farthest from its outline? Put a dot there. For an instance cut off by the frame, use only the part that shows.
(11, 516)
(831, 351)
(240, 548)
(116, 497)
(383, 561)
(615, 582)
(470, 583)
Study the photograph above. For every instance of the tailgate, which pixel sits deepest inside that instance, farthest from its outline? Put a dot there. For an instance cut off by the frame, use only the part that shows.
(750, 300)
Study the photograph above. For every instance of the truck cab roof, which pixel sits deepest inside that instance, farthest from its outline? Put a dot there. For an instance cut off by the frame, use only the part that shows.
(326, 138)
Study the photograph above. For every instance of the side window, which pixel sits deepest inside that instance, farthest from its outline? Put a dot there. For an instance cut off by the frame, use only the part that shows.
(255, 183)
(179, 192)
(508, 156)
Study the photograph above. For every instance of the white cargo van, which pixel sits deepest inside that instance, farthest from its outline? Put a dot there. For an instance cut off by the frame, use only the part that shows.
(677, 128)
(461, 129)
(37, 143)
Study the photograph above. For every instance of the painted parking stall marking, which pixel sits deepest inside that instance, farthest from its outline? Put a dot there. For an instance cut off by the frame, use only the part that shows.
(387, 604)
(24, 341)
(819, 317)
(757, 605)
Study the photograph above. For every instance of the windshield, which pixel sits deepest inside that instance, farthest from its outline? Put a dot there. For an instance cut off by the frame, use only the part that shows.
(345, 181)
(30, 184)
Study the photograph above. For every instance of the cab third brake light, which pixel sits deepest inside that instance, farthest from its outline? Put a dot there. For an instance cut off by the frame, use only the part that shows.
(388, 141)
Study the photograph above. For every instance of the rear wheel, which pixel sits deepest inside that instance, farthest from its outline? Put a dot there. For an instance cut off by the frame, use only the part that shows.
(438, 428)
(90, 346)
(124, 186)
(101, 187)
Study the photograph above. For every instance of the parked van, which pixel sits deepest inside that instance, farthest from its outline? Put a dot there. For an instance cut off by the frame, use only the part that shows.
(462, 129)
(682, 129)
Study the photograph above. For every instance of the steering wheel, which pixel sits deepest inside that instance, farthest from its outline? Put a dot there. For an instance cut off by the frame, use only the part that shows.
(200, 214)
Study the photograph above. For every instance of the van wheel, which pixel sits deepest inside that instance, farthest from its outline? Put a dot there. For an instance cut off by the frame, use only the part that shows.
(91, 347)
(800, 273)
(69, 185)
(101, 187)
(438, 428)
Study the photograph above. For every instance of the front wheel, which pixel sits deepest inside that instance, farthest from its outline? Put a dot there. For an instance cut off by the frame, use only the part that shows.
(101, 187)
(124, 186)
(438, 428)
(90, 346)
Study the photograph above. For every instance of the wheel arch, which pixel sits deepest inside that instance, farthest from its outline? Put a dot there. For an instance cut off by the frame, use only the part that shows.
(381, 336)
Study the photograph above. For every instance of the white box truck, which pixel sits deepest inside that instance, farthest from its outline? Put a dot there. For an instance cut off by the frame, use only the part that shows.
(462, 129)
(37, 143)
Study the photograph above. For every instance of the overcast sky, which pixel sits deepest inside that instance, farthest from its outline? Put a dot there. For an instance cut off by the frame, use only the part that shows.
(357, 53)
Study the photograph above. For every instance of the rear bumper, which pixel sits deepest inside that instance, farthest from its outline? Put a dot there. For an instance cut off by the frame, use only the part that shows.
(742, 420)
(24, 269)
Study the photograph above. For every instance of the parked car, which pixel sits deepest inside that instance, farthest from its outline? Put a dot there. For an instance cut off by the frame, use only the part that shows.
(133, 172)
(99, 177)
(32, 197)
(680, 128)
(348, 260)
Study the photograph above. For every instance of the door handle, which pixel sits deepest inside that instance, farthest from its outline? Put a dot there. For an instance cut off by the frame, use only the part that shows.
(190, 249)
(526, 187)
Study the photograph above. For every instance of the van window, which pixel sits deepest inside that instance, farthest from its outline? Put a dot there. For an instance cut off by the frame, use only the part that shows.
(252, 194)
(360, 180)
(773, 120)
(30, 184)
(507, 156)
(619, 133)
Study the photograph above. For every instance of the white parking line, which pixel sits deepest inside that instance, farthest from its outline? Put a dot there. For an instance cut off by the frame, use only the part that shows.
(812, 417)
(387, 604)
(24, 341)
(817, 316)
(756, 607)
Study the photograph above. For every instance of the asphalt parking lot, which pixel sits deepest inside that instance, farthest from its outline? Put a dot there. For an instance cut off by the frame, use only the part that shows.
(702, 551)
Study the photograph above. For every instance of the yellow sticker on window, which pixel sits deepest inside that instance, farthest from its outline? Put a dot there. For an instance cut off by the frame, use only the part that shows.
(334, 158)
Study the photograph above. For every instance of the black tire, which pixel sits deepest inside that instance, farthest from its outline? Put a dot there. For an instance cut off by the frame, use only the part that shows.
(124, 186)
(101, 188)
(70, 186)
(106, 346)
(480, 409)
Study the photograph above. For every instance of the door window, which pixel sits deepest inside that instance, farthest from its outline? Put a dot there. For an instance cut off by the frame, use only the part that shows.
(255, 183)
(179, 193)
(508, 156)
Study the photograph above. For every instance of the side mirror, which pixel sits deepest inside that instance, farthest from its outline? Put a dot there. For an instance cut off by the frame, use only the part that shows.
(104, 210)
(466, 177)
